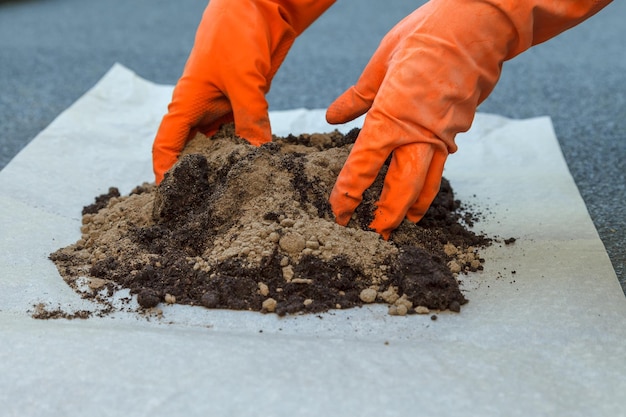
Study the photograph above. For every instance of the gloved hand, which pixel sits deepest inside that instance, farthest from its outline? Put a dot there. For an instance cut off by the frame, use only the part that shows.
(239, 46)
(423, 85)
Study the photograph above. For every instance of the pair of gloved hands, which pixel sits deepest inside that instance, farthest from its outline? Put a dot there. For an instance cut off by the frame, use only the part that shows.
(421, 87)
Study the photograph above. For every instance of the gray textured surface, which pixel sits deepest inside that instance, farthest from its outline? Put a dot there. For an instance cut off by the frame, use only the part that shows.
(52, 51)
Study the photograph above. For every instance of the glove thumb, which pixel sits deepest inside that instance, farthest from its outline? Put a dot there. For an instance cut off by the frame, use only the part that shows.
(348, 106)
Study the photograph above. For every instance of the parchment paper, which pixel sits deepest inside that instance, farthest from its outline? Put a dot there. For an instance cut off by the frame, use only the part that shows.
(542, 335)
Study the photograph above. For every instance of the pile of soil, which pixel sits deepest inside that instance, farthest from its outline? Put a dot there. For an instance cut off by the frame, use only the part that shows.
(234, 226)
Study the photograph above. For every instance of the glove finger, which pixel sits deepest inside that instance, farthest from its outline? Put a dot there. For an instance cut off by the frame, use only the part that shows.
(250, 109)
(358, 173)
(348, 106)
(404, 185)
(192, 107)
(430, 188)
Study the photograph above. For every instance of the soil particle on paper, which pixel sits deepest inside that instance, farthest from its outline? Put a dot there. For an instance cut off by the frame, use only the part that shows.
(44, 312)
(234, 226)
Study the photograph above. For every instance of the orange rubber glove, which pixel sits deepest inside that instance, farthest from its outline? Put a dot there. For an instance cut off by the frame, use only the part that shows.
(239, 46)
(423, 85)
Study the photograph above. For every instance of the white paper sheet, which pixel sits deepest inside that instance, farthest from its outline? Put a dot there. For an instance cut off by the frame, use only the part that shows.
(546, 340)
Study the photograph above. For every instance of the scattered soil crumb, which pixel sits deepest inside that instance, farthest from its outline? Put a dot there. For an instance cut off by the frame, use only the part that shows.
(43, 312)
(422, 310)
(234, 226)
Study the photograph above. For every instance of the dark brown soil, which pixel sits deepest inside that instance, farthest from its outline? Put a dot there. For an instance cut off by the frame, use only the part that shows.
(238, 227)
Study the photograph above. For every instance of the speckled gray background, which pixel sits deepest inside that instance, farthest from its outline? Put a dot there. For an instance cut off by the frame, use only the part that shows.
(52, 51)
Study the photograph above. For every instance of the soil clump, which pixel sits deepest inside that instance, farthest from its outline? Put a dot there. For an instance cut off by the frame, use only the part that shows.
(234, 226)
